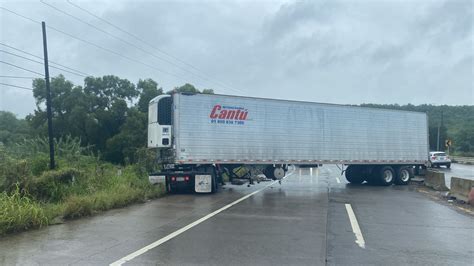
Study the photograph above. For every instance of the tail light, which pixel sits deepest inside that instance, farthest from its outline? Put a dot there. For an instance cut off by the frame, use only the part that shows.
(434, 157)
(186, 178)
(173, 178)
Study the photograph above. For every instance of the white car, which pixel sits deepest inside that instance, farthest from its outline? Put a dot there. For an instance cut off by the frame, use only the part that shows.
(438, 158)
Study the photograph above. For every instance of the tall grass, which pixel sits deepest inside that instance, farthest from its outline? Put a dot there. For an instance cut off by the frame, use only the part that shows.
(33, 196)
(19, 212)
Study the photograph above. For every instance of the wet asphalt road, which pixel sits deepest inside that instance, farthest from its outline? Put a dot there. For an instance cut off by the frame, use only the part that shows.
(302, 222)
(457, 170)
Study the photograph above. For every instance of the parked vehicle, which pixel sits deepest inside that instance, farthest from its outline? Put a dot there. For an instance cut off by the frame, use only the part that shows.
(200, 136)
(439, 158)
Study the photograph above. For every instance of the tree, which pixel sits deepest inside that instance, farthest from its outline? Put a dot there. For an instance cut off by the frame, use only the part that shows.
(148, 89)
(464, 138)
(122, 147)
(12, 129)
(189, 88)
(186, 88)
(207, 91)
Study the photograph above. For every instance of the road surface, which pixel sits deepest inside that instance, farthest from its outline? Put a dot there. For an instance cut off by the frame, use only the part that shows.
(457, 170)
(313, 218)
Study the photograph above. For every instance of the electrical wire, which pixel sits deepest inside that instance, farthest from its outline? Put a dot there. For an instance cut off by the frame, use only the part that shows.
(50, 61)
(15, 86)
(41, 63)
(93, 44)
(16, 77)
(204, 76)
(147, 52)
(22, 68)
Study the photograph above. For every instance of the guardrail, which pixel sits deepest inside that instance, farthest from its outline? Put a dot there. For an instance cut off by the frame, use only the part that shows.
(463, 160)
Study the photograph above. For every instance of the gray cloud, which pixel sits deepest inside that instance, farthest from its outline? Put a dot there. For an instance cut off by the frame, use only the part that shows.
(325, 51)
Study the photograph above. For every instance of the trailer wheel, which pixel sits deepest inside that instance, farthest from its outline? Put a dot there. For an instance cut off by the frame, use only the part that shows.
(354, 174)
(278, 173)
(385, 175)
(403, 175)
(268, 172)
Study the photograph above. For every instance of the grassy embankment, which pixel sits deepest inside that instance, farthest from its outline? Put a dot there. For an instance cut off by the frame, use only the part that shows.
(31, 196)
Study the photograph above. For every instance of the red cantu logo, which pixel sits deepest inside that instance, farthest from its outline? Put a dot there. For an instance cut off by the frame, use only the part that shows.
(229, 113)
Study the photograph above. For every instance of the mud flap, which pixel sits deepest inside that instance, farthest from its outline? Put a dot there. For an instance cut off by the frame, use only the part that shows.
(203, 183)
(157, 179)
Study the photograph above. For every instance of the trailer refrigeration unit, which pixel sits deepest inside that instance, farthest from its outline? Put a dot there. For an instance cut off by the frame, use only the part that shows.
(201, 136)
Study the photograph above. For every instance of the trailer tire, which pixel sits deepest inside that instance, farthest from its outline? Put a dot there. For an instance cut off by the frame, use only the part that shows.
(384, 175)
(268, 172)
(353, 174)
(403, 175)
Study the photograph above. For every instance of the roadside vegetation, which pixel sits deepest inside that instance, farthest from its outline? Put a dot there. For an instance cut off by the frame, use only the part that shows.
(33, 196)
(100, 148)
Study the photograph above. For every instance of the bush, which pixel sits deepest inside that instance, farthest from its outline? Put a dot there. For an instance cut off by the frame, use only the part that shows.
(78, 206)
(19, 212)
(15, 173)
(39, 164)
(54, 185)
(34, 196)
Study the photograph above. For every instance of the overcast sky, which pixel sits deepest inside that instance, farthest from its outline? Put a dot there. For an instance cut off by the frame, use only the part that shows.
(346, 52)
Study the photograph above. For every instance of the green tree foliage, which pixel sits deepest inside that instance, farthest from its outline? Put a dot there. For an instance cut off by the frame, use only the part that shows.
(108, 114)
(463, 138)
(12, 129)
(207, 91)
(188, 88)
(148, 89)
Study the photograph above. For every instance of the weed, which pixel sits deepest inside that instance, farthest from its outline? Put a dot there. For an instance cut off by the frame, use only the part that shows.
(19, 212)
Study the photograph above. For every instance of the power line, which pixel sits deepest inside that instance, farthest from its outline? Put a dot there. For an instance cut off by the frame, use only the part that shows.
(22, 68)
(17, 77)
(39, 57)
(93, 44)
(41, 63)
(204, 76)
(15, 86)
(122, 40)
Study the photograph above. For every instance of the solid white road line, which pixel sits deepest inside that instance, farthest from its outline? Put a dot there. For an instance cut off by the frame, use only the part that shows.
(355, 226)
(187, 227)
(338, 180)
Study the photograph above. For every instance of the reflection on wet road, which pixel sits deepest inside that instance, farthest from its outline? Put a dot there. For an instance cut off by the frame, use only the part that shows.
(305, 220)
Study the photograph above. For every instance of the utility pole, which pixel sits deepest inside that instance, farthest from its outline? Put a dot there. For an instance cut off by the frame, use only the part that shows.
(437, 142)
(48, 99)
(440, 124)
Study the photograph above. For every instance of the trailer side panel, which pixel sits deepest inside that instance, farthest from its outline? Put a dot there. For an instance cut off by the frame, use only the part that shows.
(230, 129)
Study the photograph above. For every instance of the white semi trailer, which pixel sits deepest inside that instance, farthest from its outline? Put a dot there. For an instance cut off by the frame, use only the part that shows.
(201, 136)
